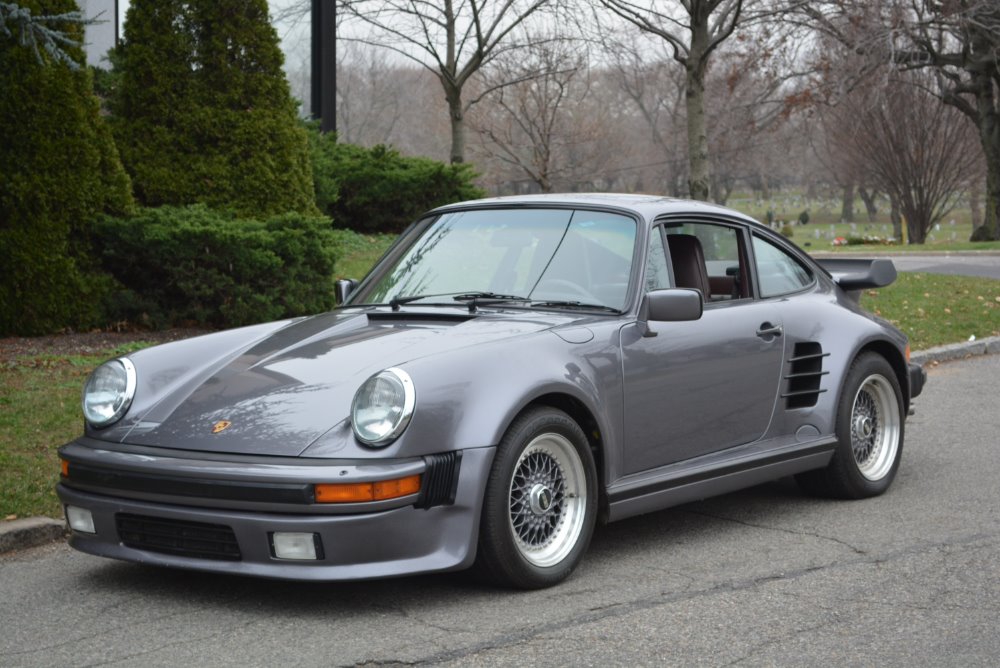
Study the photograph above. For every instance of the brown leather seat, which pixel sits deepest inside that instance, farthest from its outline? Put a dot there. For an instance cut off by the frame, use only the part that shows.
(688, 260)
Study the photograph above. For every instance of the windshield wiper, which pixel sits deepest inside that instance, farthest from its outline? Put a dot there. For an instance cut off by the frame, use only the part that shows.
(575, 304)
(466, 296)
(483, 297)
(399, 300)
(473, 298)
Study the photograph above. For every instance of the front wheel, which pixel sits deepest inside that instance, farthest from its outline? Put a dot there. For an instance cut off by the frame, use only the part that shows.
(540, 502)
(869, 434)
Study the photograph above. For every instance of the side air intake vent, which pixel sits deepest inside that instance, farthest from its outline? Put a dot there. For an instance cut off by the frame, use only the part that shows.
(803, 379)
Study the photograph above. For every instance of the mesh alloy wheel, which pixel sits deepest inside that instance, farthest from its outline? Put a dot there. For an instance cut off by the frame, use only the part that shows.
(875, 427)
(547, 500)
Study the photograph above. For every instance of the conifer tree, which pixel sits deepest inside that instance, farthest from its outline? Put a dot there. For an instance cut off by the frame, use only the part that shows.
(59, 170)
(203, 112)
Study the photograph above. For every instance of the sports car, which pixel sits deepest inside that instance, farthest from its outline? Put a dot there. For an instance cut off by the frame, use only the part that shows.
(510, 373)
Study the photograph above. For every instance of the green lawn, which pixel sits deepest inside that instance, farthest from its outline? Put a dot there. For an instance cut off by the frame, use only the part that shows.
(934, 310)
(951, 234)
(356, 253)
(39, 411)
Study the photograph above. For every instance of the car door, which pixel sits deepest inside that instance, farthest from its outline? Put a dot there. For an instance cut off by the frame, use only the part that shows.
(700, 386)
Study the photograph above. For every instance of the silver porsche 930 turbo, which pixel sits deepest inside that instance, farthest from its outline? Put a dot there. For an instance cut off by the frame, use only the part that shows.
(511, 372)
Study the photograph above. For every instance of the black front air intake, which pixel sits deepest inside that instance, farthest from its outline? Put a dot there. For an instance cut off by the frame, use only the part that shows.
(185, 539)
(440, 480)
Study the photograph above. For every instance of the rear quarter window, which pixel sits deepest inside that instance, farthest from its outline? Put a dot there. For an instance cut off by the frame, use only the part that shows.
(778, 272)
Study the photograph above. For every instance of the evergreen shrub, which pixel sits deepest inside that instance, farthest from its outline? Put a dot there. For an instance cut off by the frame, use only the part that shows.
(195, 266)
(59, 171)
(202, 111)
(377, 189)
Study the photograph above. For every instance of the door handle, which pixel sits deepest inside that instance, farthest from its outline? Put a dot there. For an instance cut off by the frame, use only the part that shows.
(767, 330)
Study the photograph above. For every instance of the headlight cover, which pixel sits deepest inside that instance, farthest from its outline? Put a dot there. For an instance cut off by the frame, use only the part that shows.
(382, 407)
(108, 392)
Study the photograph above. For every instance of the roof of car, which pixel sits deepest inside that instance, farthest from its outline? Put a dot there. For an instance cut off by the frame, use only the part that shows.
(649, 206)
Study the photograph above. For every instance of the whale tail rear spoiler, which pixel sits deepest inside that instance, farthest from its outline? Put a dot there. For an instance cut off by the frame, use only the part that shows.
(854, 275)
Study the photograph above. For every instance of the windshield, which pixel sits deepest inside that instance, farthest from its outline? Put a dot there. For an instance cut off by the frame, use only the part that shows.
(541, 255)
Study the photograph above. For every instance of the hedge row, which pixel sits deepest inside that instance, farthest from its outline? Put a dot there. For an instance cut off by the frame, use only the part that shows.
(376, 189)
(195, 266)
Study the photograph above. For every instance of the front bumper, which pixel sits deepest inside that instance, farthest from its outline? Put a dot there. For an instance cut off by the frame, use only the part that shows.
(918, 378)
(354, 545)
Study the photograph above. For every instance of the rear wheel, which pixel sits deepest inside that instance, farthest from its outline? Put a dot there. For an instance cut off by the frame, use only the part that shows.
(869, 434)
(540, 503)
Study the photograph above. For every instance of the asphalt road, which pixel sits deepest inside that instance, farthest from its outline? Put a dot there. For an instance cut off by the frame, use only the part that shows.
(763, 577)
(986, 266)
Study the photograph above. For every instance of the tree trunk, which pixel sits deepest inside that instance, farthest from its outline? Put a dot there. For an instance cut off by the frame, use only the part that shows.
(765, 186)
(868, 197)
(976, 211)
(989, 137)
(457, 117)
(990, 210)
(915, 233)
(990, 230)
(699, 176)
(811, 192)
(897, 221)
(916, 217)
(847, 204)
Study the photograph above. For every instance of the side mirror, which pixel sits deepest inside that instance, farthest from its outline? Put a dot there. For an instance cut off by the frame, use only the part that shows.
(343, 288)
(671, 305)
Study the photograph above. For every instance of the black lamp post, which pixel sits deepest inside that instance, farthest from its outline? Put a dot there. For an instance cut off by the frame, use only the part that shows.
(324, 64)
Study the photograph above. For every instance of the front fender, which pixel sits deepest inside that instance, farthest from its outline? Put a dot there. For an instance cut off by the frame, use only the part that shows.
(467, 398)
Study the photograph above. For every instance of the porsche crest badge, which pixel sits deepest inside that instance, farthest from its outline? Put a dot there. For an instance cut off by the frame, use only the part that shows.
(221, 425)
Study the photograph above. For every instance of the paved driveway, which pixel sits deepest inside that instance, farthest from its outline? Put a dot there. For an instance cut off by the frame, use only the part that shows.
(986, 266)
(762, 577)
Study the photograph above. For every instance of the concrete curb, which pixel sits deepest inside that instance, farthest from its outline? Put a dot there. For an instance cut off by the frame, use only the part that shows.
(33, 531)
(29, 532)
(957, 351)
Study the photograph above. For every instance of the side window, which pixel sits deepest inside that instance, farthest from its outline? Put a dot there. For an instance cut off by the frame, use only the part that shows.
(657, 273)
(778, 272)
(707, 257)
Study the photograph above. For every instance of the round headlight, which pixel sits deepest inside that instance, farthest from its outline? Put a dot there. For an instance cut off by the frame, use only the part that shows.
(108, 392)
(382, 407)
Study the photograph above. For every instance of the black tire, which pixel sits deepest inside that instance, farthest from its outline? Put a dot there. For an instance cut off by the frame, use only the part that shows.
(540, 504)
(870, 425)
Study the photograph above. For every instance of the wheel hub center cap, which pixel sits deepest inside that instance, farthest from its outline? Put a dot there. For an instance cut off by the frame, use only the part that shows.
(540, 499)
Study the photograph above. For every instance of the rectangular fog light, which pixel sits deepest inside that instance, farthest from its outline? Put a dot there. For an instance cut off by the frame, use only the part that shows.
(301, 546)
(80, 519)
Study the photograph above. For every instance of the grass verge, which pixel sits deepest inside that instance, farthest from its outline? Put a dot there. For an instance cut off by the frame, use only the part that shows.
(356, 253)
(39, 411)
(933, 309)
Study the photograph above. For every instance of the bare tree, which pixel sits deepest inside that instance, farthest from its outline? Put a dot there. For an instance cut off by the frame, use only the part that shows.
(371, 94)
(539, 125)
(693, 35)
(957, 40)
(754, 89)
(656, 91)
(921, 152)
(452, 38)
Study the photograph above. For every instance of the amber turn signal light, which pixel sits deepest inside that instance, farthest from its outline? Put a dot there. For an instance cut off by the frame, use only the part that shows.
(65, 467)
(359, 492)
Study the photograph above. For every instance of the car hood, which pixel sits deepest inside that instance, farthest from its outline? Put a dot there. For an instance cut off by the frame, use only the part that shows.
(281, 392)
